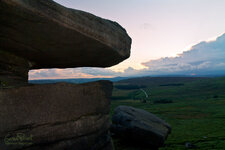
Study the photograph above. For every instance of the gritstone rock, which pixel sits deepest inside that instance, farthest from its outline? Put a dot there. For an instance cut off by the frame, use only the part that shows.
(140, 126)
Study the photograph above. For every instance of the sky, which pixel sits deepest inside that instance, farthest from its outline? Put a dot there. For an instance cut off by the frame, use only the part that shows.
(168, 37)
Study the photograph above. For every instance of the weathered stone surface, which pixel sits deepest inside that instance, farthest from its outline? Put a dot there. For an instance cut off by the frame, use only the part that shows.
(57, 116)
(49, 35)
(43, 34)
(36, 34)
(140, 126)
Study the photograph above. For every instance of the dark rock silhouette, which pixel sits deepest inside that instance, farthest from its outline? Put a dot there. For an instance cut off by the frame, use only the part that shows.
(37, 34)
(44, 34)
(141, 127)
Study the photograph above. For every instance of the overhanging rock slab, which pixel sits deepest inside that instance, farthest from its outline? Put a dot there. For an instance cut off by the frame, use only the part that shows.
(38, 34)
(52, 36)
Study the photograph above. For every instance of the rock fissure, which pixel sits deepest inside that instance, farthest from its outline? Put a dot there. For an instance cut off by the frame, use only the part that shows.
(33, 126)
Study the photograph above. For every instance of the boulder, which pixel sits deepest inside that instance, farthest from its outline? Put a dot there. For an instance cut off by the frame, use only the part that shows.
(56, 116)
(139, 126)
(43, 34)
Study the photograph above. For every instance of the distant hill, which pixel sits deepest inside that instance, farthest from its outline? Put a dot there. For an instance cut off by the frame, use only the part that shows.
(160, 81)
(79, 80)
(141, 81)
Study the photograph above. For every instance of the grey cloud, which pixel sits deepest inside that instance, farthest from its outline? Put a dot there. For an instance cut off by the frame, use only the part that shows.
(146, 26)
(205, 56)
(98, 71)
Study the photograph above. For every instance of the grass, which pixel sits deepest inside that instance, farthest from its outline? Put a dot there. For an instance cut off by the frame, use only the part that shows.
(196, 114)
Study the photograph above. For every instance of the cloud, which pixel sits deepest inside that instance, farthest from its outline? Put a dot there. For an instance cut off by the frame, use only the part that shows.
(202, 59)
(69, 73)
(146, 26)
(86, 72)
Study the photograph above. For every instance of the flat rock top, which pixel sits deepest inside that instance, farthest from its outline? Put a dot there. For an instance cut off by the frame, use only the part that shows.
(52, 36)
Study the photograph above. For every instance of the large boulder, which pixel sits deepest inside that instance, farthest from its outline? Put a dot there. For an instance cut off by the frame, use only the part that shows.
(56, 116)
(139, 126)
(44, 34)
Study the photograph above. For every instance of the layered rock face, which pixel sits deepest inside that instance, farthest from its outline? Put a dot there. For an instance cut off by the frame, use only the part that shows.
(37, 34)
(57, 116)
(140, 127)
(45, 34)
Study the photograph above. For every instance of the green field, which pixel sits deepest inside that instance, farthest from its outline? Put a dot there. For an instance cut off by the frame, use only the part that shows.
(194, 107)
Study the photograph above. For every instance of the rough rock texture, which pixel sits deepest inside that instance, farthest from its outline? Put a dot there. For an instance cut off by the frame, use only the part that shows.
(37, 34)
(45, 34)
(57, 116)
(139, 126)
(50, 35)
